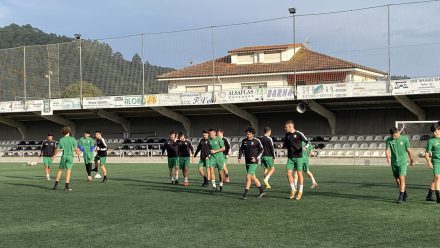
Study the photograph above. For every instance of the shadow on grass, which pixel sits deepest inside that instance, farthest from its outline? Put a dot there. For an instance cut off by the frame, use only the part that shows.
(31, 186)
(370, 184)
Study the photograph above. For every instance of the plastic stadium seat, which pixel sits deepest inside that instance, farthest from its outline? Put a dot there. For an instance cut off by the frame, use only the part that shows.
(235, 147)
(194, 140)
(346, 146)
(334, 138)
(355, 146)
(337, 146)
(364, 146)
(235, 153)
(150, 140)
(331, 154)
(340, 153)
(241, 139)
(235, 139)
(378, 138)
(369, 138)
(327, 138)
(425, 137)
(349, 153)
(377, 154)
(351, 138)
(343, 138)
(372, 146)
(386, 137)
(322, 154)
(320, 146)
(416, 137)
(328, 146)
(360, 138)
(318, 138)
(382, 145)
(366, 154)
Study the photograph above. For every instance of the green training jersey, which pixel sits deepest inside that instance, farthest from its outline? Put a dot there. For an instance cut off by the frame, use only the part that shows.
(398, 148)
(306, 152)
(216, 143)
(68, 145)
(433, 147)
(86, 144)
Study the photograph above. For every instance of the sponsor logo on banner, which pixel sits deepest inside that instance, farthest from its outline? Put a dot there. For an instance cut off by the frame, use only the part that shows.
(322, 91)
(367, 89)
(162, 100)
(47, 109)
(133, 101)
(277, 94)
(197, 98)
(66, 104)
(416, 86)
(237, 96)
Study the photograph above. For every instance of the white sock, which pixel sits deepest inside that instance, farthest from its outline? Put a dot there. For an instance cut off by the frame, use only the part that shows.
(313, 180)
(300, 188)
(177, 178)
(221, 184)
(267, 178)
(292, 186)
(213, 183)
(186, 179)
(47, 175)
(172, 179)
(295, 181)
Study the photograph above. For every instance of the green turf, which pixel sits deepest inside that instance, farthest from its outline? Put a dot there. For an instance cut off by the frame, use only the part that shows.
(353, 207)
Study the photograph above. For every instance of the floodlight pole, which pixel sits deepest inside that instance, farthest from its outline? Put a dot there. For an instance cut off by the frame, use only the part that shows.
(292, 11)
(390, 87)
(143, 69)
(213, 60)
(78, 38)
(24, 74)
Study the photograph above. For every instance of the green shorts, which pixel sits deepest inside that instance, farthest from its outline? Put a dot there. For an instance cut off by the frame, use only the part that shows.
(217, 162)
(47, 161)
(306, 166)
(173, 162)
(436, 168)
(203, 163)
(295, 164)
(184, 162)
(399, 170)
(251, 169)
(267, 162)
(102, 160)
(66, 162)
(88, 157)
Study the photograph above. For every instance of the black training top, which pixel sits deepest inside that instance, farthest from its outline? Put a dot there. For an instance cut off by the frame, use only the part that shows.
(251, 149)
(171, 147)
(185, 148)
(102, 145)
(48, 148)
(227, 146)
(204, 148)
(268, 147)
(293, 144)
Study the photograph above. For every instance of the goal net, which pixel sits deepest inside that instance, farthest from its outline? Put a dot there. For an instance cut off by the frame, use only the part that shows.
(418, 133)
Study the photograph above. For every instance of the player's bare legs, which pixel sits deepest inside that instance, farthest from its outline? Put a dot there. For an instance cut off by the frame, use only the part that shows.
(226, 173)
(314, 183)
(300, 184)
(104, 172)
(176, 172)
(221, 178)
(57, 178)
(212, 178)
(47, 171)
(291, 183)
(68, 173)
(431, 190)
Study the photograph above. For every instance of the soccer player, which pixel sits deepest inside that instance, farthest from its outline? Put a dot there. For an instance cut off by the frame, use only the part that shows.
(205, 151)
(185, 151)
(87, 146)
(306, 154)
(171, 147)
(268, 158)
(68, 145)
(226, 152)
(293, 143)
(252, 149)
(397, 152)
(47, 150)
(217, 158)
(432, 156)
(101, 156)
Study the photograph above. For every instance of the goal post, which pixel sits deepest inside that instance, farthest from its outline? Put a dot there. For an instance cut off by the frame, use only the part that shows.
(418, 133)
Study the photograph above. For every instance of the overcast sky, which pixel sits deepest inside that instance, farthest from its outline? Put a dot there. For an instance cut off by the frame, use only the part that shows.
(357, 36)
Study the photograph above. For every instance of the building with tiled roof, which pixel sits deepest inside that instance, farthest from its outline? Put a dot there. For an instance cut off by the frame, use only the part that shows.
(267, 66)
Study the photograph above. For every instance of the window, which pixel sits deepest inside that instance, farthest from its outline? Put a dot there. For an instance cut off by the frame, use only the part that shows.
(254, 85)
(256, 58)
(272, 57)
(197, 89)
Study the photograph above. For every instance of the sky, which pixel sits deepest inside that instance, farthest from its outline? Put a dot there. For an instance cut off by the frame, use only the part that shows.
(359, 36)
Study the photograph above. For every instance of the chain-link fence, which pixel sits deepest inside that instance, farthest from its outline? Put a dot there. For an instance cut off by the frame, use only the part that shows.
(355, 45)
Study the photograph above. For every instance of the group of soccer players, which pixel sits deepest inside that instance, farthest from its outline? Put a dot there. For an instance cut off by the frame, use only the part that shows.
(214, 150)
(398, 153)
(69, 147)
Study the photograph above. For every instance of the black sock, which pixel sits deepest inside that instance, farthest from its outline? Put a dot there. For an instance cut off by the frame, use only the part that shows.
(437, 194)
(205, 179)
(226, 174)
(261, 189)
(401, 195)
(66, 186)
(89, 169)
(245, 192)
(56, 184)
(430, 191)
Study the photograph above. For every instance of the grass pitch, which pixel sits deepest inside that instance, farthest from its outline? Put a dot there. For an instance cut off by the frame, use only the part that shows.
(138, 207)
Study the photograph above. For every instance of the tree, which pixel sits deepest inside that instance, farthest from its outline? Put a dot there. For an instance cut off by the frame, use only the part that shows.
(136, 59)
(88, 89)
